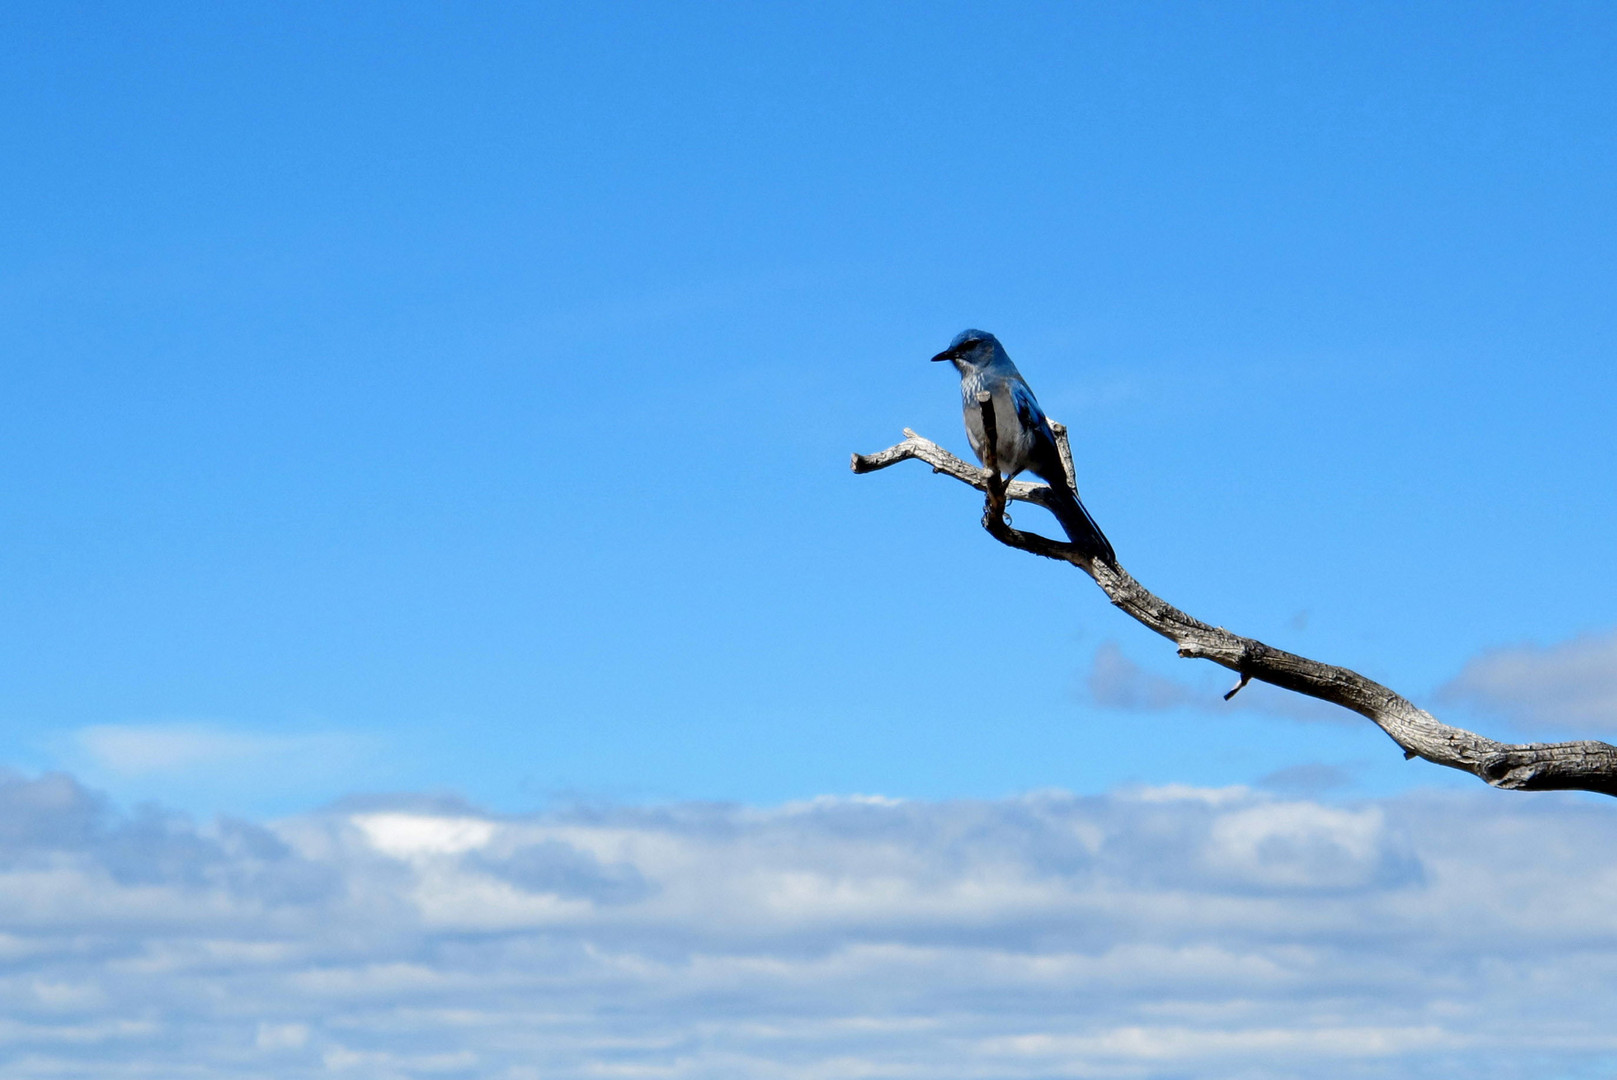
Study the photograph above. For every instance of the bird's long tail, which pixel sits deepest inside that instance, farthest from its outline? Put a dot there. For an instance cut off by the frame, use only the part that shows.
(1080, 527)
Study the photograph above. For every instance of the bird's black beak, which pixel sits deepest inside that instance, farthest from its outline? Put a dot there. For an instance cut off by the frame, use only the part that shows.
(946, 354)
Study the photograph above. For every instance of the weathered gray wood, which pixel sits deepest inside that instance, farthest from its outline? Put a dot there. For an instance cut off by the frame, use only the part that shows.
(1583, 766)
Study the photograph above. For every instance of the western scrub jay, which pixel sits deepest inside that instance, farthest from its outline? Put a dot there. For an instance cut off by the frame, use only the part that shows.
(1025, 440)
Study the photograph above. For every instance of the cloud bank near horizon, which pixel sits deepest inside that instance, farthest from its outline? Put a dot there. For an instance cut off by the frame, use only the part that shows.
(1156, 932)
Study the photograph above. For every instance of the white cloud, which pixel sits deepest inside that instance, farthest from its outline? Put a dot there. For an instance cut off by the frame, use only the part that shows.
(411, 835)
(1570, 686)
(1298, 844)
(1223, 933)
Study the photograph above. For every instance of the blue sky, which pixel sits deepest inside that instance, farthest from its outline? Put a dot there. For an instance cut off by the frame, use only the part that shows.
(442, 635)
(467, 391)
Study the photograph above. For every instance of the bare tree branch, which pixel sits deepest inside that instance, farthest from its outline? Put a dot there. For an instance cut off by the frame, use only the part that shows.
(1582, 766)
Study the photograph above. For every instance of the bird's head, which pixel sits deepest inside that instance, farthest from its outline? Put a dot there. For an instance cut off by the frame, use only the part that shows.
(972, 350)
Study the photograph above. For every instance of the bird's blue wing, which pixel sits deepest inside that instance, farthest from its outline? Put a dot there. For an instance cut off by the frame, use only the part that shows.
(1028, 412)
(1043, 457)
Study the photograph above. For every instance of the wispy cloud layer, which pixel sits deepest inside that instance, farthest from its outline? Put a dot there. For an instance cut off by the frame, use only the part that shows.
(214, 765)
(168, 749)
(1572, 685)
(1160, 932)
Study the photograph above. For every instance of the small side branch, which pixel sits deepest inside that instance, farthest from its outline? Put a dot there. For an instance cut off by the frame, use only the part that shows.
(1579, 766)
(1059, 430)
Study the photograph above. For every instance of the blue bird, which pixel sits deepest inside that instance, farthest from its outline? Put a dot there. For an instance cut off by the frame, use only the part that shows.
(1025, 440)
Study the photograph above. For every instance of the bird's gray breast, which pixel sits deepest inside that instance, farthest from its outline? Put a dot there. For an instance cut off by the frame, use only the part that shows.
(1015, 443)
